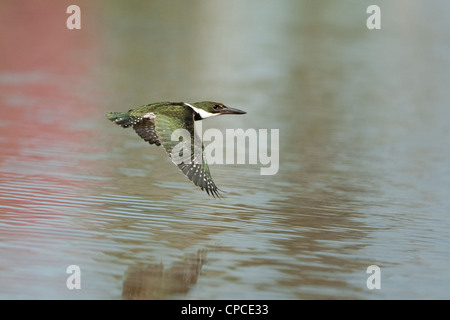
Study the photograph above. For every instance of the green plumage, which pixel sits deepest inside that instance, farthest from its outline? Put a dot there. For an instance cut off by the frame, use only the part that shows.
(121, 118)
(156, 122)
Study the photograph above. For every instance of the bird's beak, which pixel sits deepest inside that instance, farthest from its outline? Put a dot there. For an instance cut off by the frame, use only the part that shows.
(232, 111)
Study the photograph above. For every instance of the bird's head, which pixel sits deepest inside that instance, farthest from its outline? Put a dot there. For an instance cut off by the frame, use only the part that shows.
(206, 109)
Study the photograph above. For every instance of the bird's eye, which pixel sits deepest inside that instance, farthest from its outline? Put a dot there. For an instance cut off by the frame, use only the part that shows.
(217, 106)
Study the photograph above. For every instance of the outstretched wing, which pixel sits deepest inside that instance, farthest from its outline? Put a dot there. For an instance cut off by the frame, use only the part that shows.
(146, 130)
(144, 125)
(187, 151)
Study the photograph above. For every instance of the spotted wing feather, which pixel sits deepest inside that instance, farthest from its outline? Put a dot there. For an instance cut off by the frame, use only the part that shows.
(193, 165)
(146, 130)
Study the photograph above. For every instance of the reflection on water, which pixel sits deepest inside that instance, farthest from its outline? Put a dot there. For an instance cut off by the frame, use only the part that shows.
(153, 281)
(363, 150)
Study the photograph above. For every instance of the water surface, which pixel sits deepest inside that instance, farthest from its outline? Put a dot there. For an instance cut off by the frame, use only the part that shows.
(364, 146)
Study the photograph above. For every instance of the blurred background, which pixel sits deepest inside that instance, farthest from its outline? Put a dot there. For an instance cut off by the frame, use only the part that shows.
(364, 174)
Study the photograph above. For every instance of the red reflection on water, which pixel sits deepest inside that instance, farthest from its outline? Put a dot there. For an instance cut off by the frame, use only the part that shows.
(46, 95)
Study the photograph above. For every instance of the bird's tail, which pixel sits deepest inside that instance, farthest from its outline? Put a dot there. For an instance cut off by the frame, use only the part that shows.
(123, 119)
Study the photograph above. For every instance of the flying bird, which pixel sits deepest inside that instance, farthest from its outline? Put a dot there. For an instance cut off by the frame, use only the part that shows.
(156, 122)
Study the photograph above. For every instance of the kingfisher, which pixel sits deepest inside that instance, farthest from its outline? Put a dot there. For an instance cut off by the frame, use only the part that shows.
(156, 122)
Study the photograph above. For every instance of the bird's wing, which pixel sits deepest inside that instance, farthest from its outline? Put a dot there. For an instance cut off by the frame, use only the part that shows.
(145, 128)
(144, 125)
(192, 163)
